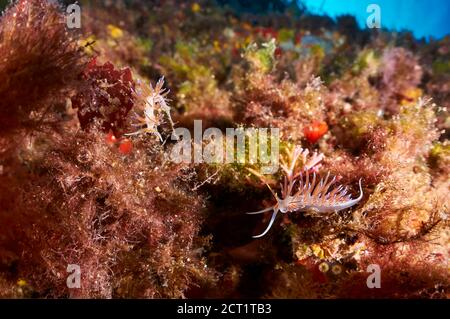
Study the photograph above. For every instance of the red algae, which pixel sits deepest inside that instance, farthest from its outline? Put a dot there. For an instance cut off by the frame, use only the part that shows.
(96, 177)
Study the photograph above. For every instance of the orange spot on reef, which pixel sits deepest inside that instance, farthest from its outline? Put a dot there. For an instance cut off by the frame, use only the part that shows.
(315, 131)
(126, 146)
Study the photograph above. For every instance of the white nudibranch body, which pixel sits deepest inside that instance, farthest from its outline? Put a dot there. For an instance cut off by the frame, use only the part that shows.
(312, 195)
(154, 107)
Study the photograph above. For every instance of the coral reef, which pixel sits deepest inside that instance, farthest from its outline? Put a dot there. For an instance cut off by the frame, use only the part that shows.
(87, 178)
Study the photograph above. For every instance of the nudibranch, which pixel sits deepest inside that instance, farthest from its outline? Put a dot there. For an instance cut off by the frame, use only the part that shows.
(312, 194)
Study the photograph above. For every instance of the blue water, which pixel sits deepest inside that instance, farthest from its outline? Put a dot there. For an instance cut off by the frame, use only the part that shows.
(424, 18)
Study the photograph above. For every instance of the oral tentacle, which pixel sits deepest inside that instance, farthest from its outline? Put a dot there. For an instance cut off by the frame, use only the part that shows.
(272, 219)
(260, 211)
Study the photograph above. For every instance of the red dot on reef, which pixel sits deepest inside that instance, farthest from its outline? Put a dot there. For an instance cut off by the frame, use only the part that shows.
(235, 52)
(125, 147)
(278, 52)
(301, 262)
(315, 131)
(318, 275)
(111, 138)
